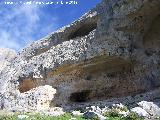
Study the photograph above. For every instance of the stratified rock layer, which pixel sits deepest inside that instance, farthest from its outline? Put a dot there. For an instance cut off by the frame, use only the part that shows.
(112, 51)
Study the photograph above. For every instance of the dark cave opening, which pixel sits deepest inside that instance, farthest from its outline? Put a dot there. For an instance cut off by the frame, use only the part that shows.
(82, 96)
(26, 86)
(83, 30)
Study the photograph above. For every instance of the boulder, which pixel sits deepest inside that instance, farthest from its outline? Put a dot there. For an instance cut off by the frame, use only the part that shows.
(140, 112)
(38, 99)
(77, 113)
(22, 117)
(151, 107)
(92, 115)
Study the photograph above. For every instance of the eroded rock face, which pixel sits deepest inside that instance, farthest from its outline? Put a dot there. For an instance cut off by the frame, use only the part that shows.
(6, 56)
(111, 51)
(38, 98)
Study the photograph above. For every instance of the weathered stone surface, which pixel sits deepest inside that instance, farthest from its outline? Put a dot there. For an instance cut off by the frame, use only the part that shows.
(151, 107)
(22, 117)
(93, 115)
(56, 111)
(110, 52)
(38, 98)
(77, 113)
(141, 112)
(6, 56)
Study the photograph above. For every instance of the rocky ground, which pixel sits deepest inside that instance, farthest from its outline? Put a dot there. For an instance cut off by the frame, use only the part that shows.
(144, 111)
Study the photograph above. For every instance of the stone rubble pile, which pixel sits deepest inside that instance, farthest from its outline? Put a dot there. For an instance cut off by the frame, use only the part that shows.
(147, 110)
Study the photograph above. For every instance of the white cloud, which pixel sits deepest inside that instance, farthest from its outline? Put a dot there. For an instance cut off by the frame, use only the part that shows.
(6, 42)
(20, 24)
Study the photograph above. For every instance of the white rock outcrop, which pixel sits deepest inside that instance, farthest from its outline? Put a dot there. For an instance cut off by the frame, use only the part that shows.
(6, 56)
(140, 112)
(153, 108)
(38, 98)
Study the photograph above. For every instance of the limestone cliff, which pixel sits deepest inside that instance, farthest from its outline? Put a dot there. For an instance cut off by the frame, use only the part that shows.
(6, 56)
(110, 52)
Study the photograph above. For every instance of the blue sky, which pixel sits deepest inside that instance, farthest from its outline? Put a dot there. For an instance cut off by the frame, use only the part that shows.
(21, 24)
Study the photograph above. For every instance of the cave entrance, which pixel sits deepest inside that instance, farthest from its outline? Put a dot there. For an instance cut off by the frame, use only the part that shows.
(83, 30)
(26, 85)
(82, 96)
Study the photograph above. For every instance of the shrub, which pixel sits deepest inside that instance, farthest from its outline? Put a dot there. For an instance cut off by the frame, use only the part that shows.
(112, 113)
(124, 109)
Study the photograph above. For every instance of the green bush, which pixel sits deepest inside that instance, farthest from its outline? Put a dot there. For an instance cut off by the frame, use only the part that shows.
(112, 113)
(124, 109)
